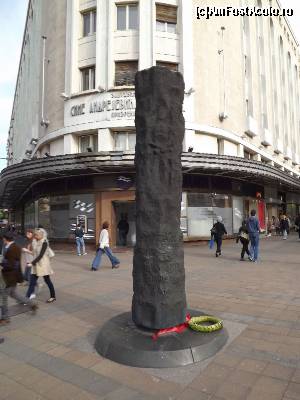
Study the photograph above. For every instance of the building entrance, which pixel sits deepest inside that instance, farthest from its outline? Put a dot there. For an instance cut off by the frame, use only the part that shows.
(125, 220)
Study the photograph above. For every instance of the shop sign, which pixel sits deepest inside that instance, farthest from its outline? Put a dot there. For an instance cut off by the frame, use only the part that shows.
(82, 220)
(104, 106)
(124, 182)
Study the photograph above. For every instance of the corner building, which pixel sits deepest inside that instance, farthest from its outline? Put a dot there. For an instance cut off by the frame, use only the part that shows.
(71, 138)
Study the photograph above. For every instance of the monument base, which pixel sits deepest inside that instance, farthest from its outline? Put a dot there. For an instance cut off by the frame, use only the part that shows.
(120, 340)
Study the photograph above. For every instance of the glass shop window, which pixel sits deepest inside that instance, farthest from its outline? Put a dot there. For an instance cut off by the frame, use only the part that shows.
(125, 72)
(166, 18)
(89, 23)
(127, 17)
(125, 141)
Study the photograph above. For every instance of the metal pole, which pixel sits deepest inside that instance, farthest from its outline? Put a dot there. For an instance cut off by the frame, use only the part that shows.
(43, 122)
(224, 84)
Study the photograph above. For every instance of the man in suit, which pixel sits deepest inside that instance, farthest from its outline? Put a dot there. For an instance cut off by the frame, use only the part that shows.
(11, 275)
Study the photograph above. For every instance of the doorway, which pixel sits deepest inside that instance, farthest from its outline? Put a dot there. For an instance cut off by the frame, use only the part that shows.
(125, 209)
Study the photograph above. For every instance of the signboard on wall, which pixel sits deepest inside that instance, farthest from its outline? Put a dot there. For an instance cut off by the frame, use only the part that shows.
(108, 106)
(82, 220)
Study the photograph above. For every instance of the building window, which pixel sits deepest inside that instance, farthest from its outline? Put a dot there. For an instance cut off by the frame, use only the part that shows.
(88, 143)
(89, 22)
(248, 155)
(171, 66)
(88, 78)
(127, 17)
(125, 72)
(166, 18)
(125, 141)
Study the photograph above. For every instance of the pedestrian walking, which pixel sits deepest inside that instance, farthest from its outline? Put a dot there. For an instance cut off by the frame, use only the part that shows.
(243, 237)
(284, 227)
(27, 256)
(277, 226)
(11, 276)
(123, 228)
(297, 225)
(41, 266)
(104, 249)
(253, 229)
(79, 237)
(217, 232)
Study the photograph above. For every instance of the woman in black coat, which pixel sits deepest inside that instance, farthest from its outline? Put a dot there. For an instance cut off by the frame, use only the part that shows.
(244, 239)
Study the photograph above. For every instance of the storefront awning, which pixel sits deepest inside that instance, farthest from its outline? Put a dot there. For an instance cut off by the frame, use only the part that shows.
(18, 179)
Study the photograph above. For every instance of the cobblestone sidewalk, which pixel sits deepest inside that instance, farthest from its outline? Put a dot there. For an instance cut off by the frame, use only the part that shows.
(51, 356)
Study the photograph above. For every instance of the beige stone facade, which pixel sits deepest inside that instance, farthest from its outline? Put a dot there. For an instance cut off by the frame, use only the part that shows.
(241, 74)
(252, 60)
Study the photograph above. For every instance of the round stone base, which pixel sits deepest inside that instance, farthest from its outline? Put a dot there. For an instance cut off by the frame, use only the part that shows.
(120, 340)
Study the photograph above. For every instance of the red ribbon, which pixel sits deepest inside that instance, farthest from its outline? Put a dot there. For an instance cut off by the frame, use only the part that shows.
(177, 329)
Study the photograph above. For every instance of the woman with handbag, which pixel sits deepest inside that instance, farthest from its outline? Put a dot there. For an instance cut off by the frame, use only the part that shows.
(41, 264)
(104, 249)
(27, 256)
(244, 239)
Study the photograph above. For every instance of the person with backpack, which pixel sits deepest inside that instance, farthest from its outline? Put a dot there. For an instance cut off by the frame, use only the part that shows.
(244, 239)
(217, 232)
(79, 237)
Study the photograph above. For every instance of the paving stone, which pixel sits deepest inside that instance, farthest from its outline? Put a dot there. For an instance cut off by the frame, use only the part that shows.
(228, 360)
(296, 376)
(293, 391)
(190, 394)
(278, 371)
(251, 365)
(242, 377)
(230, 391)
(136, 379)
(123, 393)
(270, 385)
(8, 387)
(262, 315)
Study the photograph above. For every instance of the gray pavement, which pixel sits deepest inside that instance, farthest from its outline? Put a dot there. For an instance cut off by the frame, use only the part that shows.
(51, 356)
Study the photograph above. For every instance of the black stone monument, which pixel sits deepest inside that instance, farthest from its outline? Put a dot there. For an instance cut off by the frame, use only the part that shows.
(159, 299)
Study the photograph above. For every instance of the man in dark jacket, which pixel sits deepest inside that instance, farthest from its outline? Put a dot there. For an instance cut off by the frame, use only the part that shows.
(217, 231)
(79, 237)
(12, 275)
(123, 228)
(253, 229)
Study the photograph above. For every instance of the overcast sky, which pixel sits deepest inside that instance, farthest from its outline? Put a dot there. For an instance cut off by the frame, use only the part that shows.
(12, 20)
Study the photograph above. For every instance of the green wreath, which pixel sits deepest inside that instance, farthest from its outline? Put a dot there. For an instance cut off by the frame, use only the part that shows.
(195, 323)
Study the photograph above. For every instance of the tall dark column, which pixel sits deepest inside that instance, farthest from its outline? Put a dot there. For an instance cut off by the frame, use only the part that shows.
(159, 299)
